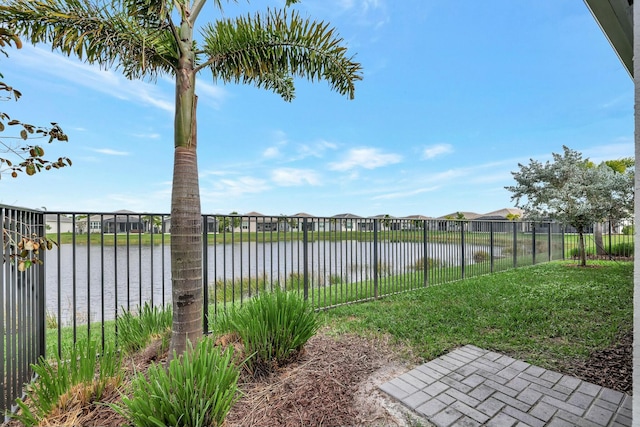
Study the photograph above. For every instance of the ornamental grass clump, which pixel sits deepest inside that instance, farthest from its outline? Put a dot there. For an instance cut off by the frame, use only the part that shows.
(196, 389)
(273, 327)
(85, 374)
(136, 331)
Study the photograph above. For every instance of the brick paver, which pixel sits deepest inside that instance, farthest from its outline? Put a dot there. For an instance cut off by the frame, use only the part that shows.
(471, 386)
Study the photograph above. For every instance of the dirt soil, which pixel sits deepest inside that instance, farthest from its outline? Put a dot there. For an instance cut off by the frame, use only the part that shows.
(334, 383)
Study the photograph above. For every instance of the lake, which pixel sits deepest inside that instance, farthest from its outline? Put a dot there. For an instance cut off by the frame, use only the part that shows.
(98, 281)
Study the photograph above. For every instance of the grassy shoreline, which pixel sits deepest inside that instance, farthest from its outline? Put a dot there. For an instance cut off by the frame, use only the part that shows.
(544, 314)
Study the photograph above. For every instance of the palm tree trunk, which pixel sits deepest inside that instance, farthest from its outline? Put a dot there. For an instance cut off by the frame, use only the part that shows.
(186, 218)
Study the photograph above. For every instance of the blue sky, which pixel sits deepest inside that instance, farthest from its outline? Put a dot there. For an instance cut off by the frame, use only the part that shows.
(454, 96)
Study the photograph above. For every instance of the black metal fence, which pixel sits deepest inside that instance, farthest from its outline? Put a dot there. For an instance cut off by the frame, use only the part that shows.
(106, 263)
(22, 303)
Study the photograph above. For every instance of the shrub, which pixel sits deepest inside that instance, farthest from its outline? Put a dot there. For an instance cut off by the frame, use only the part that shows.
(57, 378)
(224, 290)
(624, 249)
(385, 269)
(197, 389)
(135, 332)
(51, 320)
(480, 256)
(335, 279)
(575, 252)
(296, 281)
(418, 265)
(273, 327)
(628, 230)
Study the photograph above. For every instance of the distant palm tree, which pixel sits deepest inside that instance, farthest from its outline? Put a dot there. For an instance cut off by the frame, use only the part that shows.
(146, 38)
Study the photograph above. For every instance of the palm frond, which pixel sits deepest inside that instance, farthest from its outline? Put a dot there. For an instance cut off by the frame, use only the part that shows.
(270, 51)
(95, 32)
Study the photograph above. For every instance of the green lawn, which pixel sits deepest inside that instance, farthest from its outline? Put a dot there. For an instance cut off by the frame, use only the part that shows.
(543, 314)
(547, 314)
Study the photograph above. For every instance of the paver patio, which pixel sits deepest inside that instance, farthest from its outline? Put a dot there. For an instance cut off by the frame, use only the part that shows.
(474, 387)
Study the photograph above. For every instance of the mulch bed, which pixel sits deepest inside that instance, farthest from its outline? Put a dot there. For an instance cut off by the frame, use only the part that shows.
(319, 389)
(331, 385)
(611, 367)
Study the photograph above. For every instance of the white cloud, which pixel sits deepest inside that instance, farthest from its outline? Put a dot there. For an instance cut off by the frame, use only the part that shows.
(290, 177)
(366, 158)
(315, 149)
(238, 187)
(91, 76)
(110, 152)
(146, 135)
(210, 93)
(271, 152)
(617, 149)
(363, 5)
(206, 173)
(402, 194)
(436, 150)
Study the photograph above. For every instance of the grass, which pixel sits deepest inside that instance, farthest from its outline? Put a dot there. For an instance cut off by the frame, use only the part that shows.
(500, 238)
(543, 314)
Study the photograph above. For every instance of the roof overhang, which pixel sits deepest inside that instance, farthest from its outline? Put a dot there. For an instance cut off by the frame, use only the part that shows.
(615, 18)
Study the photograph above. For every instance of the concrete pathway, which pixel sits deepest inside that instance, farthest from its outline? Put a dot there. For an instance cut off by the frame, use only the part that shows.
(475, 387)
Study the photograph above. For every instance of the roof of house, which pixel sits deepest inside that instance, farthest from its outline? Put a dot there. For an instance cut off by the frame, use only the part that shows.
(346, 215)
(54, 218)
(253, 214)
(304, 214)
(454, 215)
(615, 18)
(506, 211)
(418, 217)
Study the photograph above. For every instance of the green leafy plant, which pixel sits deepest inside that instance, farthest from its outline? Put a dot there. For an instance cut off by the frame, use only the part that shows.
(575, 252)
(480, 256)
(57, 377)
(622, 249)
(335, 279)
(628, 230)
(273, 327)
(197, 389)
(431, 263)
(136, 331)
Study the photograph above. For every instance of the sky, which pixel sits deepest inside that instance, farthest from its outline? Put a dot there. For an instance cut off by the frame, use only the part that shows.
(454, 96)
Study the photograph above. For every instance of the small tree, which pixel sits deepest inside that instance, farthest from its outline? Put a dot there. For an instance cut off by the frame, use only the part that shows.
(619, 166)
(570, 190)
(236, 221)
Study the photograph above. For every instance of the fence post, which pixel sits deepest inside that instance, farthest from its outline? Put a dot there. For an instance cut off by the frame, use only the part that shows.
(533, 243)
(375, 258)
(462, 254)
(563, 245)
(610, 247)
(549, 243)
(305, 258)
(491, 245)
(425, 249)
(515, 245)
(205, 273)
(41, 323)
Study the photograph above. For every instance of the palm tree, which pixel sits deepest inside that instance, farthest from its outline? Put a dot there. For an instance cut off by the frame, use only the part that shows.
(146, 38)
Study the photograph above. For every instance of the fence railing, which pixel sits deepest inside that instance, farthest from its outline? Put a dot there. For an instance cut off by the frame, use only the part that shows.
(106, 263)
(22, 303)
